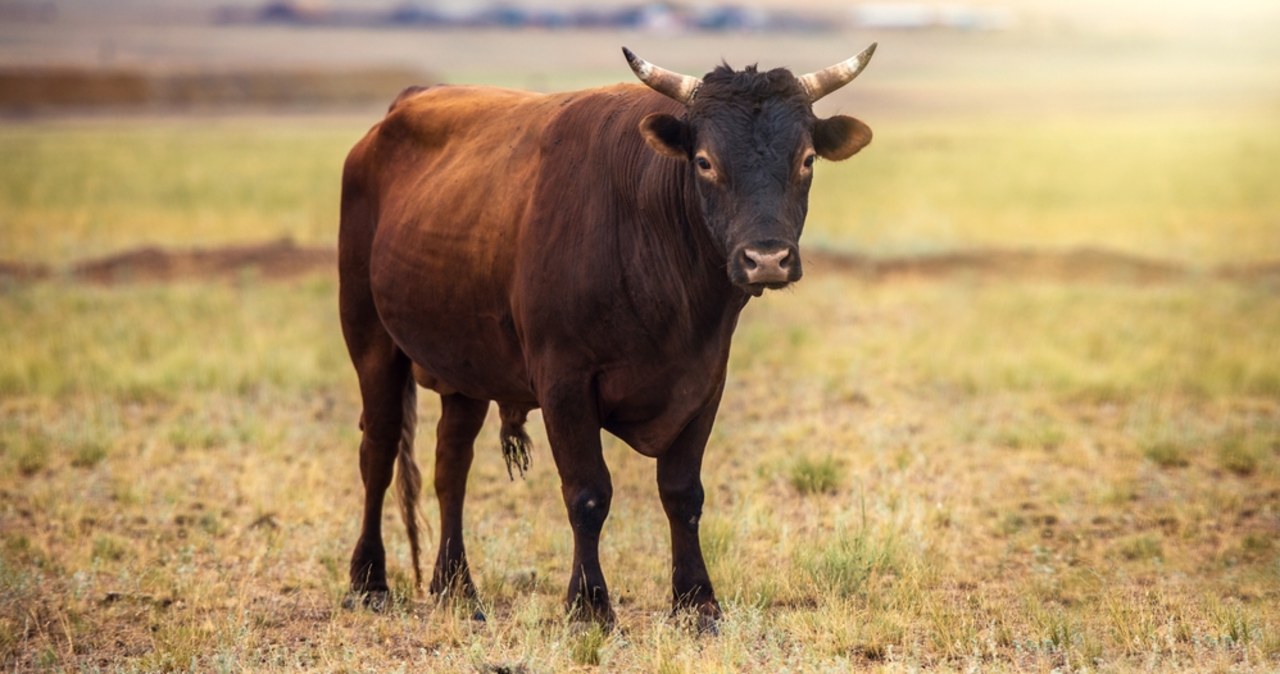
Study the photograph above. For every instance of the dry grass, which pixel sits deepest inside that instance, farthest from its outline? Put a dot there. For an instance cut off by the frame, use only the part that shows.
(972, 497)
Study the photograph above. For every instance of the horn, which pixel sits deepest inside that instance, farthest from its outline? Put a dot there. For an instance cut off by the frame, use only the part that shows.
(822, 82)
(673, 85)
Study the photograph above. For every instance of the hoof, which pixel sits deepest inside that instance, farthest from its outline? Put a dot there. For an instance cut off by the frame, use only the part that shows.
(709, 618)
(454, 584)
(708, 625)
(478, 616)
(376, 600)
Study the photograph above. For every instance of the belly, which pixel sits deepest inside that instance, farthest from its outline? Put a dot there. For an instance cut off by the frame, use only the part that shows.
(446, 306)
(474, 355)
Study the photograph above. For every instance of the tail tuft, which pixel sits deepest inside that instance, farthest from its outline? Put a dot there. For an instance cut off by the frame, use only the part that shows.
(515, 441)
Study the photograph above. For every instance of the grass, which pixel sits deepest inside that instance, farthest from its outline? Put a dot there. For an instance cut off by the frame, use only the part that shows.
(1166, 453)
(214, 523)
(72, 191)
(820, 476)
(1136, 184)
(1132, 184)
(849, 563)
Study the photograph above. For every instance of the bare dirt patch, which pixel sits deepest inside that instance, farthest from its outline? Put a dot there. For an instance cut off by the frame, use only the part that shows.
(32, 89)
(1084, 264)
(152, 264)
(286, 259)
(277, 259)
(17, 271)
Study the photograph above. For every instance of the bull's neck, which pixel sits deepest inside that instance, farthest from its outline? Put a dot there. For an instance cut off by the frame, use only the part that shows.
(707, 261)
(682, 269)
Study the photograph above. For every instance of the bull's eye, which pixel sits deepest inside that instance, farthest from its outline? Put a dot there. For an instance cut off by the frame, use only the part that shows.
(703, 163)
(808, 161)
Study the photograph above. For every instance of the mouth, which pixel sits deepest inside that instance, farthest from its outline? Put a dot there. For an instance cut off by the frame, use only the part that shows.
(757, 289)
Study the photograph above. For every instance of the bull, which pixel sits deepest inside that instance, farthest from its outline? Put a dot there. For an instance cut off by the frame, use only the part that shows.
(586, 253)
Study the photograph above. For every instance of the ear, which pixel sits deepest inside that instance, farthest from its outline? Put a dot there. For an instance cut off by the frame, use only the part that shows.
(840, 137)
(666, 135)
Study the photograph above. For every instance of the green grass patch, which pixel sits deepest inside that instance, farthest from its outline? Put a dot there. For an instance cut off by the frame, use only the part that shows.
(89, 452)
(816, 476)
(1167, 452)
(1241, 453)
(585, 648)
(32, 454)
(1141, 548)
(845, 563)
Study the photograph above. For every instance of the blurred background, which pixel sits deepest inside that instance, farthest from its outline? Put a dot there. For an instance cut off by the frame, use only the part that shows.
(1143, 127)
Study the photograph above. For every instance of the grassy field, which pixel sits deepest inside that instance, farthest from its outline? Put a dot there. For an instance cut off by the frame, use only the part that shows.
(1190, 186)
(906, 474)
(959, 472)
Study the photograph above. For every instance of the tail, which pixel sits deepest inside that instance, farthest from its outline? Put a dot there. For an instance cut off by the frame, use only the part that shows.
(408, 478)
(515, 442)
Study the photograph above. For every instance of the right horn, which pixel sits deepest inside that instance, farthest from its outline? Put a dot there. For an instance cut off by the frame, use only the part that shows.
(673, 85)
(822, 82)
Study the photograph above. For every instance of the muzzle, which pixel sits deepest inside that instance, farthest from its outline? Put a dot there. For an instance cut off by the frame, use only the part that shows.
(768, 264)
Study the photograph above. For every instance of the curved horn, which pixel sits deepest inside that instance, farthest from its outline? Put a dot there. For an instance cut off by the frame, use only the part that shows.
(670, 84)
(822, 82)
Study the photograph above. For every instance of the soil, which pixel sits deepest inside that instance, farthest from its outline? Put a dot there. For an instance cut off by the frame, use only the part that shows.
(286, 259)
(273, 260)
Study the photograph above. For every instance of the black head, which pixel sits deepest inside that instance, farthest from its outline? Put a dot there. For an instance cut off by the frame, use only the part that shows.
(750, 139)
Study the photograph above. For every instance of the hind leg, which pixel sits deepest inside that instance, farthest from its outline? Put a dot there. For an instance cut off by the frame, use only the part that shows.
(384, 386)
(460, 421)
(388, 395)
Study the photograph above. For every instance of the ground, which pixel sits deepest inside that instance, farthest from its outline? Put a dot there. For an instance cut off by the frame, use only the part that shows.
(892, 483)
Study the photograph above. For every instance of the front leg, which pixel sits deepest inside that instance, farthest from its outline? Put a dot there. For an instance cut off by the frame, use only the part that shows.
(573, 429)
(680, 487)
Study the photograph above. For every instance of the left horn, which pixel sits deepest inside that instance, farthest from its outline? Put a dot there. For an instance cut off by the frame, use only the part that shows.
(822, 82)
(673, 85)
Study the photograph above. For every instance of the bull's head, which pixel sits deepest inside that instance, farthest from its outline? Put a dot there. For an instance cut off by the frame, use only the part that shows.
(750, 139)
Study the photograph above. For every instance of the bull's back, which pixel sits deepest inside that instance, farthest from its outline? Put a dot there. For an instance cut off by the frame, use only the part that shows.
(452, 163)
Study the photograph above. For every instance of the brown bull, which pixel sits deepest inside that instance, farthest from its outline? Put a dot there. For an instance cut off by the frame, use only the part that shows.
(586, 253)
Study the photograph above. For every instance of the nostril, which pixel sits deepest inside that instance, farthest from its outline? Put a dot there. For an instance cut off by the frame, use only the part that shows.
(785, 261)
(749, 260)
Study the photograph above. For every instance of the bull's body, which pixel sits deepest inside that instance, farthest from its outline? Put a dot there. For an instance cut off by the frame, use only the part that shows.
(579, 253)
(517, 241)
